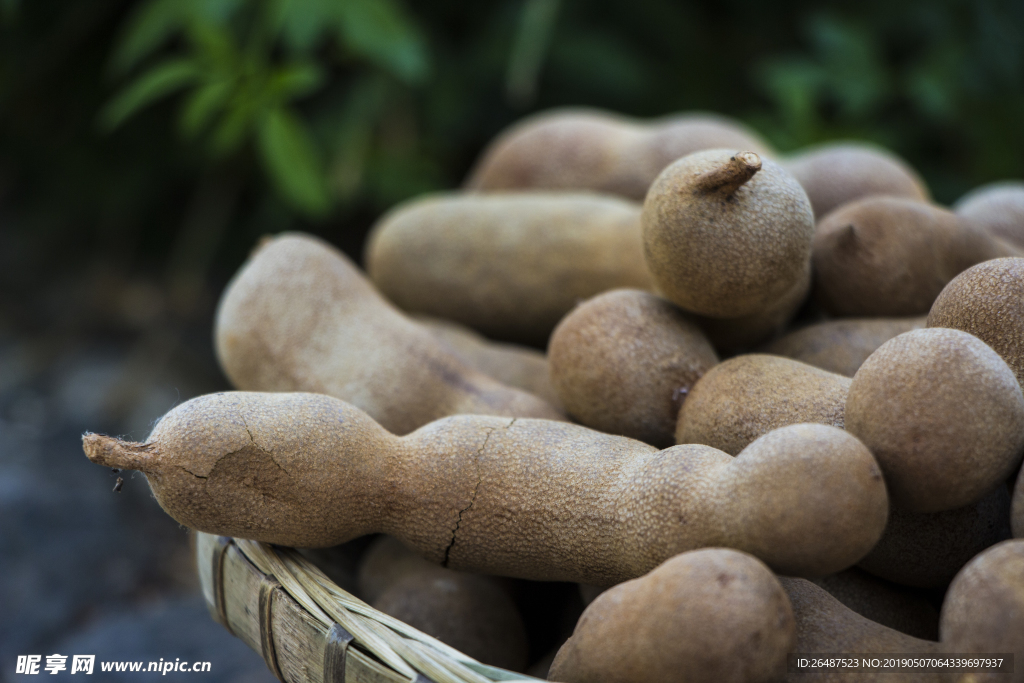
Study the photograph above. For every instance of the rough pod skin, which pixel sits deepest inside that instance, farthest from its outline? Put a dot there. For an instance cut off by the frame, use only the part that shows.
(834, 174)
(727, 234)
(713, 615)
(841, 346)
(889, 604)
(509, 265)
(744, 397)
(624, 361)
(299, 316)
(533, 499)
(987, 300)
(588, 149)
(469, 612)
(983, 611)
(926, 550)
(826, 626)
(730, 336)
(887, 256)
(943, 414)
(517, 366)
(1017, 507)
(997, 207)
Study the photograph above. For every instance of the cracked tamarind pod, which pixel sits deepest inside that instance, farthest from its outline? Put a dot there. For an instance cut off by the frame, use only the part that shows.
(745, 397)
(299, 316)
(624, 361)
(472, 613)
(589, 149)
(509, 265)
(713, 615)
(727, 234)
(533, 499)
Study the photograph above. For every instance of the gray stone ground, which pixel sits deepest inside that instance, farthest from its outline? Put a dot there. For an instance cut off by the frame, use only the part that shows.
(84, 570)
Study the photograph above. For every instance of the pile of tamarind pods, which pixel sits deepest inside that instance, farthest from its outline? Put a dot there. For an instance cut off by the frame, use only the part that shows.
(780, 408)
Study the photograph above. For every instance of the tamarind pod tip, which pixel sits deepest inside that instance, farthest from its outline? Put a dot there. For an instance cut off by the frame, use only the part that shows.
(728, 178)
(112, 452)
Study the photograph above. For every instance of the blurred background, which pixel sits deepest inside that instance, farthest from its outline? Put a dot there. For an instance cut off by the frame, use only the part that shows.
(146, 145)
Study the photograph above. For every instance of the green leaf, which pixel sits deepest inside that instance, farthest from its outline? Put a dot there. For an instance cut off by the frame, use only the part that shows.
(599, 62)
(393, 177)
(160, 81)
(536, 27)
(301, 23)
(291, 161)
(856, 74)
(202, 105)
(347, 125)
(295, 80)
(380, 31)
(216, 48)
(147, 29)
(239, 119)
(215, 11)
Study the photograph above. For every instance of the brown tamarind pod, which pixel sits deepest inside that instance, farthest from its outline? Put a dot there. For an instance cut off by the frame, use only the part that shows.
(727, 234)
(890, 256)
(469, 612)
(998, 207)
(589, 149)
(624, 361)
(299, 316)
(983, 612)
(534, 499)
(837, 173)
(841, 346)
(747, 396)
(707, 615)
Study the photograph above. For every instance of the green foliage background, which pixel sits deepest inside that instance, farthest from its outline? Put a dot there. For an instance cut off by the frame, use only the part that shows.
(169, 134)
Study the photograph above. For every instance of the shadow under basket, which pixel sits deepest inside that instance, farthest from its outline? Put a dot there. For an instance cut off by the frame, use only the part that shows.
(309, 630)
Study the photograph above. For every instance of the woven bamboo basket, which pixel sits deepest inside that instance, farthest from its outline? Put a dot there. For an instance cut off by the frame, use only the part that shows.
(309, 630)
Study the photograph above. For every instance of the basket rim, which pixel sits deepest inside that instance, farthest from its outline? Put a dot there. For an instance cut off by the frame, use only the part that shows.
(347, 620)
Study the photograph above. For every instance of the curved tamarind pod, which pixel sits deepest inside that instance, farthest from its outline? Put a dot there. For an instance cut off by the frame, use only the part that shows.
(825, 625)
(589, 149)
(299, 316)
(517, 366)
(534, 499)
